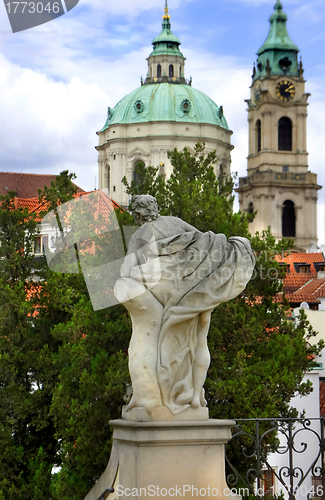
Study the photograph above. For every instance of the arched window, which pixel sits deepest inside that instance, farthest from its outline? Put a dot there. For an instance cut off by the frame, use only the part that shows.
(250, 208)
(171, 71)
(258, 136)
(180, 71)
(288, 219)
(159, 71)
(138, 172)
(285, 134)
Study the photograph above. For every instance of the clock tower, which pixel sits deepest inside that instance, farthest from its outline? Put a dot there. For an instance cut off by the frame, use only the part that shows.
(279, 185)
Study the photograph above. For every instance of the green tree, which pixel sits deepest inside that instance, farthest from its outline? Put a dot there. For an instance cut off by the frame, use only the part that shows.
(27, 445)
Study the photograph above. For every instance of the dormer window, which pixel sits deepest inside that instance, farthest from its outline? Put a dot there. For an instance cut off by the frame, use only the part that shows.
(302, 267)
(319, 266)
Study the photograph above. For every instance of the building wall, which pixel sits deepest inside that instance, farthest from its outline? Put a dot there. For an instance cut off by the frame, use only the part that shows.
(269, 110)
(267, 191)
(122, 145)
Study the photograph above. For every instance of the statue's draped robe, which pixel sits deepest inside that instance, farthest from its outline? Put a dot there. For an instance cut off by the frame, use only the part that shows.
(189, 273)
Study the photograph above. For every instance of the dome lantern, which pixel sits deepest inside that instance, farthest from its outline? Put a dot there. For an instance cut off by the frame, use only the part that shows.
(166, 62)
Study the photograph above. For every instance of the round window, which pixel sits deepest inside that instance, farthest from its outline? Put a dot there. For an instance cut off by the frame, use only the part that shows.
(186, 106)
(138, 106)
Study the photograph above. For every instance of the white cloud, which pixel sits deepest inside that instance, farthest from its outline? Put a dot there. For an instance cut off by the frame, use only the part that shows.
(226, 80)
(48, 126)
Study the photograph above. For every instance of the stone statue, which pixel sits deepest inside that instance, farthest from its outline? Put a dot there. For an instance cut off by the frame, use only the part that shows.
(172, 278)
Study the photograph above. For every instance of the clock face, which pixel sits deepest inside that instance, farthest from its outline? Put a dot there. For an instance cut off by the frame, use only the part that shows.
(285, 90)
(257, 92)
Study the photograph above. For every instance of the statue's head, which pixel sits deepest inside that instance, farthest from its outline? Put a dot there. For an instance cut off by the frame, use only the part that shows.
(144, 208)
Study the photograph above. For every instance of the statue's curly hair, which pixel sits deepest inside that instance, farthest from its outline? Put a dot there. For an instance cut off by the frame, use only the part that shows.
(146, 205)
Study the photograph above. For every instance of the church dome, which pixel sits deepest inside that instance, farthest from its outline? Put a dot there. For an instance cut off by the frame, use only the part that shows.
(166, 102)
(164, 113)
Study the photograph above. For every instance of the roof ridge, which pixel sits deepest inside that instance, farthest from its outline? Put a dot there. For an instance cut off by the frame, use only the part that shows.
(27, 173)
(320, 286)
(303, 286)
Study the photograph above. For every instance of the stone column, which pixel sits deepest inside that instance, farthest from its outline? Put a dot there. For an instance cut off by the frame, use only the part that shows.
(251, 135)
(301, 132)
(267, 134)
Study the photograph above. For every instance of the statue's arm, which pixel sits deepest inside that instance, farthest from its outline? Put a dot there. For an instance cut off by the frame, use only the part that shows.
(182, 225)
(130, 261)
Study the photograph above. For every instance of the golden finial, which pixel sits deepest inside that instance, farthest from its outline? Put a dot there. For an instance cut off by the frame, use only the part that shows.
(166, 15)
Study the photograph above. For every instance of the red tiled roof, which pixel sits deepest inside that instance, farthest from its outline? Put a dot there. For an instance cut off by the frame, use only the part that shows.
(25, 185)
(292, 282)
(315, 287)
(295, 298)
(302, 287)
(106, 204)
(299, 258)
(309, 292)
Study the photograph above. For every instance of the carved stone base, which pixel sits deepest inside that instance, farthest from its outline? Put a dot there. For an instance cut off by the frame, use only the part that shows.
(169, 459)
(140, 414)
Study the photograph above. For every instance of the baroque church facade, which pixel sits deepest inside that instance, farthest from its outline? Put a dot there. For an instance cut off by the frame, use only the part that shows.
(163, 113)
(279, 185)
(167, 112)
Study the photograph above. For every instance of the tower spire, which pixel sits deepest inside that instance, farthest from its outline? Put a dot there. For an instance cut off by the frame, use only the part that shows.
(166, 15)
(278, 54)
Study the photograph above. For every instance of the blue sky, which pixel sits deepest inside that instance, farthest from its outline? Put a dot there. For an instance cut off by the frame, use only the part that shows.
(57, 80)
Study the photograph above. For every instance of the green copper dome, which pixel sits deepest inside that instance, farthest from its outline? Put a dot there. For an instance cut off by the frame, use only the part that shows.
(278, 54)
(166, 102)
(166, 95)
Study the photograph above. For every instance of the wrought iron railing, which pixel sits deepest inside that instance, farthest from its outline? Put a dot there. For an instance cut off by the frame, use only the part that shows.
(289, 452)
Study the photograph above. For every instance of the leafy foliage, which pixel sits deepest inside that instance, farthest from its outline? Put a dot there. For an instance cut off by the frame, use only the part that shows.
(27, 444)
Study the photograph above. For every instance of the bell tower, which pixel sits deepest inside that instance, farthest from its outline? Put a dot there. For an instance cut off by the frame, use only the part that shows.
(278, 184)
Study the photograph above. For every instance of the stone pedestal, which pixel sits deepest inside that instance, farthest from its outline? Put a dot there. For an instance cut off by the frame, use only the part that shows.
(167, 459)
